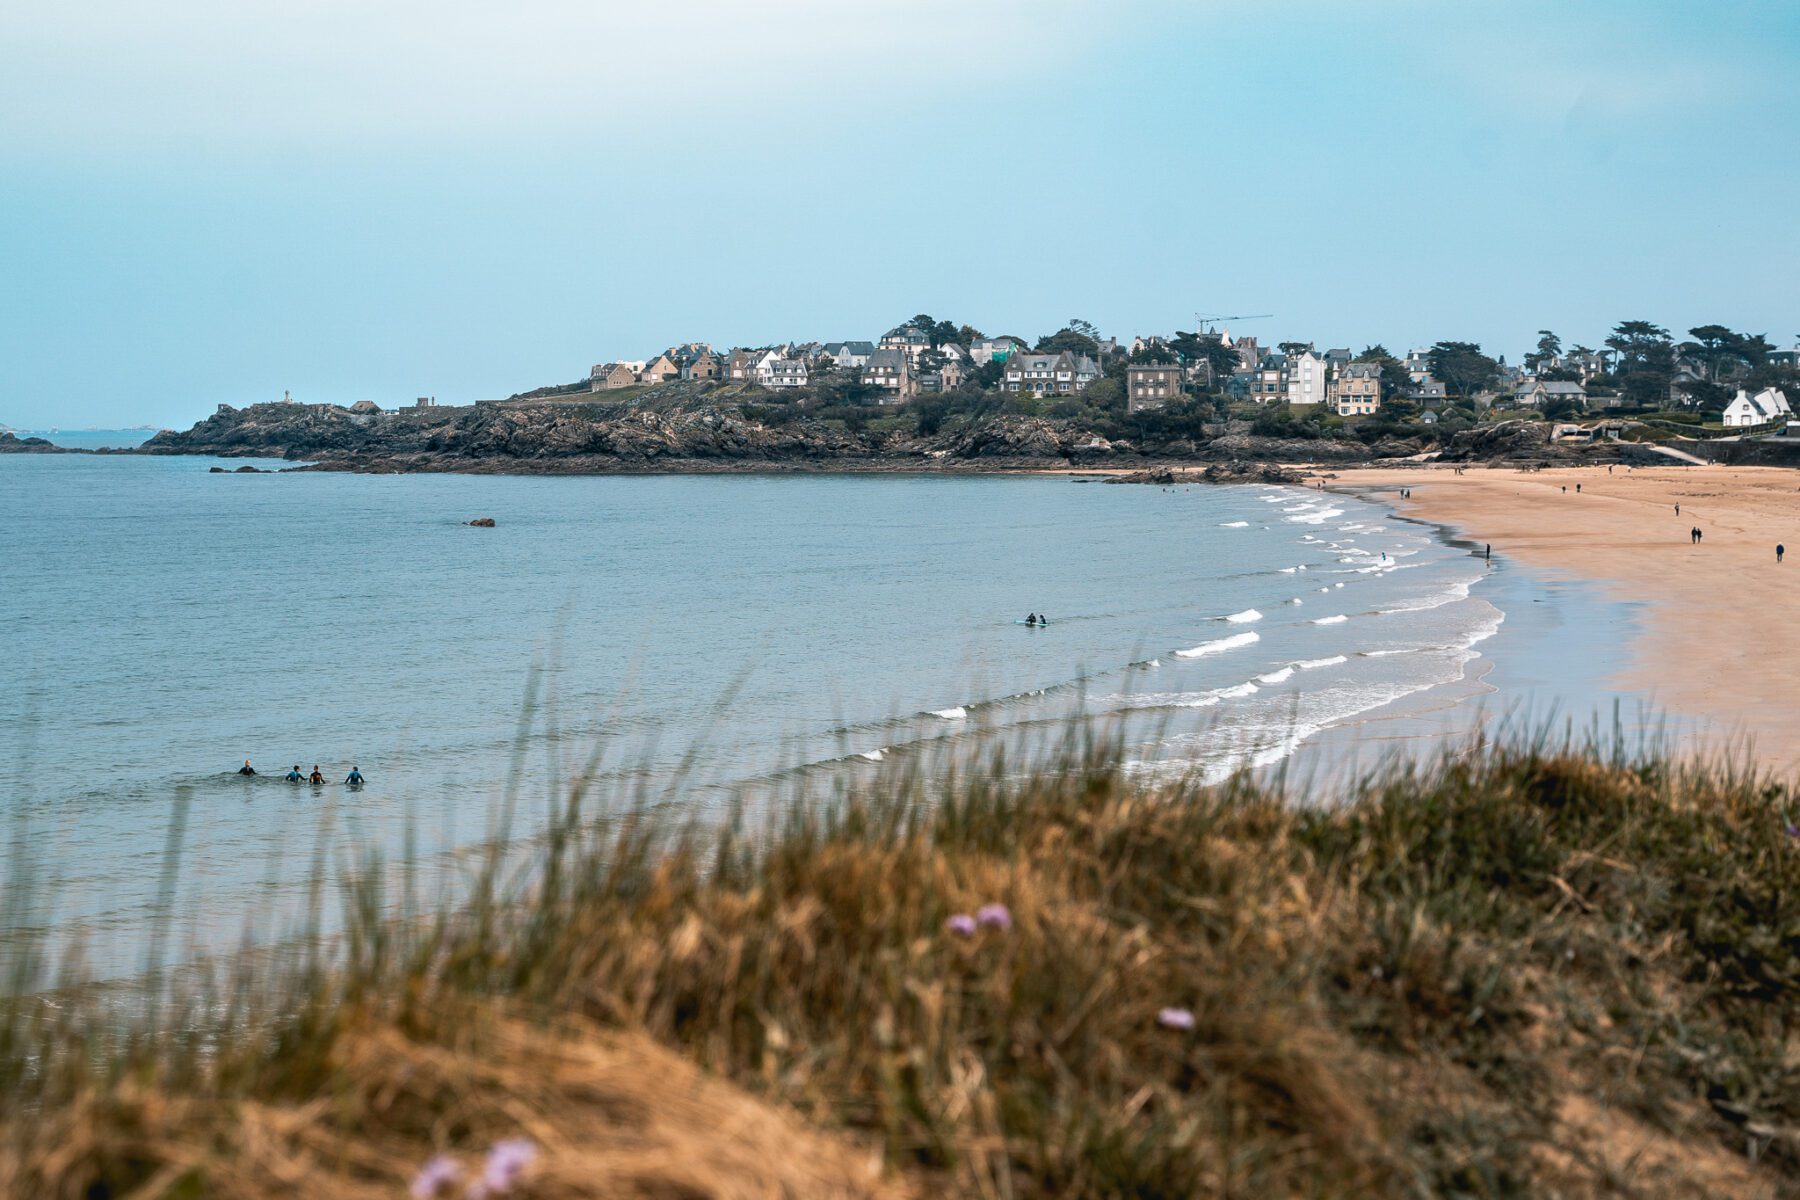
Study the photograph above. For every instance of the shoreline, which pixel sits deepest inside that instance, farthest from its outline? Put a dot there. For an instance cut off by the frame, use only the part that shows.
(1712, 646)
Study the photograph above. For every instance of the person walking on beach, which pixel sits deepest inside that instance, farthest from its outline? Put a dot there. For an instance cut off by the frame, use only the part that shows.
(1678, 510)
(1779, 551)
(1578, 489)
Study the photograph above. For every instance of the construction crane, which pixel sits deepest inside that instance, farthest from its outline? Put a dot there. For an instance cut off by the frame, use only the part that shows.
(1205, 323)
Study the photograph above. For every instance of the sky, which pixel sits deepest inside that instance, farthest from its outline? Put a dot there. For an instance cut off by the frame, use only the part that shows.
(220, 201)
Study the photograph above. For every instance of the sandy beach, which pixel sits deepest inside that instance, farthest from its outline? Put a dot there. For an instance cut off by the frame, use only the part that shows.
(1719, 637)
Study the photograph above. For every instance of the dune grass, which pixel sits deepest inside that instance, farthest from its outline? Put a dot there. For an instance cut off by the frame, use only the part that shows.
(1525, 970)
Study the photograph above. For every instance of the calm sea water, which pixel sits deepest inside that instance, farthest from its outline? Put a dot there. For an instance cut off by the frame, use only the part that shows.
(164, 623)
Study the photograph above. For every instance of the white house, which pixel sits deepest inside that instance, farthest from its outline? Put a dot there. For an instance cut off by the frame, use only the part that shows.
(1767, 405)
(786, 373)
(1306, 379)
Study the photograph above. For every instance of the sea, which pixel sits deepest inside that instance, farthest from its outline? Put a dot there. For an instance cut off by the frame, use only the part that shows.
(692, 638)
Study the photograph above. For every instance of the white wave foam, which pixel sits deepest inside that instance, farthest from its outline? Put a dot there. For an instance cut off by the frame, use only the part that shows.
(1235, 693)
(1296, 600)
(1234, 524)
(1450, 595)
(1337, 620)
(1219, 646)
(1289, 570)
(1240, 618)
(1281, 676)
(1315, 518)
(1308, 664)
(951, 714)
(874, 755)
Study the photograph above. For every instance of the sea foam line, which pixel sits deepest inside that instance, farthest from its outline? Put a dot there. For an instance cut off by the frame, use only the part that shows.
(1220, 646)
(1239, 618)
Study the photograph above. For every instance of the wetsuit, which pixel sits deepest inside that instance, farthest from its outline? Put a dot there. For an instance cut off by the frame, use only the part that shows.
(315, 777)
(294, 776)
(354, 779)
(246, 770)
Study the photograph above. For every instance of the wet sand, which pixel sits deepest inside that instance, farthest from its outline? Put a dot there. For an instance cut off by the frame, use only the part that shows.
(1720, 636)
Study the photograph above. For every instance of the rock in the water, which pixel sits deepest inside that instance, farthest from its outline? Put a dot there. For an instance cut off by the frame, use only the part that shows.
(249, 471)
(215, 470)
(483, 522)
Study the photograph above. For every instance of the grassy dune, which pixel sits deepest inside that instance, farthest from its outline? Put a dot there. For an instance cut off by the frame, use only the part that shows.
(1526, 971)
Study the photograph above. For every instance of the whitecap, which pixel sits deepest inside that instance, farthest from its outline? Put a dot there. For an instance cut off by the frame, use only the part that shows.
(1308, 664)
(951, 714)
(874, 755)
(1234, 525)
(1281, 676)
(1240, 618)
(1234, 693)
(1219, 646)
(1337, 620)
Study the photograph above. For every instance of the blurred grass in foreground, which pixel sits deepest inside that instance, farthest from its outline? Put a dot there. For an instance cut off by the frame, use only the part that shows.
(1523, 970)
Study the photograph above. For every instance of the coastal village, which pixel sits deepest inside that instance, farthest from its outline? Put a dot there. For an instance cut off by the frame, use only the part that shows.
(1740, 381)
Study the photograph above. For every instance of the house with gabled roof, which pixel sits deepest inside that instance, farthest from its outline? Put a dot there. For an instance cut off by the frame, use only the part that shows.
(1059, 374)
(661, 369)
(1355, 389)
(1536, 393)
(983, 351)
(605, 377)
(891, 371)
(1768, 405)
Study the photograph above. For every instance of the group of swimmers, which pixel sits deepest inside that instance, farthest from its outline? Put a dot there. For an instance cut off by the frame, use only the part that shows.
(317, 778)
(1037, 619)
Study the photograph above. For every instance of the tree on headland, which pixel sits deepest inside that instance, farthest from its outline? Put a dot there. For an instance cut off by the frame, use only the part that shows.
(1646, 362)
(1292, 348)
(1549, 348)
(1395, 382)
(1462, 368)
(1209, 348)
(1071, 339)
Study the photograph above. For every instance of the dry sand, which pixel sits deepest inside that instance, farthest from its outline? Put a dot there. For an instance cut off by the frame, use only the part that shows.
(1721, 637)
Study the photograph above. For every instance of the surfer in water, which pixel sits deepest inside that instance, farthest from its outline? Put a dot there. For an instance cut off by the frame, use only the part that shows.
(294, 776)
(246, 769)
(1031, 619)
(316, 777)
(354, 778)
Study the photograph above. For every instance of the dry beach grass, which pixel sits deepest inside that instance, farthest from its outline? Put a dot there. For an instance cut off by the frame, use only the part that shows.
(1529, 970)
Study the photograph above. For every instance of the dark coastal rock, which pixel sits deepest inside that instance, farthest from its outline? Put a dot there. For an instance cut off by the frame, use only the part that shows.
(702, 428)
(482, 522)
(250, 471)
(13, 444)
(1233, 472)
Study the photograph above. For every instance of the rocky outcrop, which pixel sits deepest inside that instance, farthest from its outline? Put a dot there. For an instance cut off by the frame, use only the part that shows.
(1232, 472)
(13, 444)
(694, 431)
(481, 522)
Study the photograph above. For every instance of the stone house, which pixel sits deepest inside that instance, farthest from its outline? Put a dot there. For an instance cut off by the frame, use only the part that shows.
(661, 369)
(1060, 374)
(890, 371)
(607, 376)
(1151, 385)
(1355, 389)
(909, 339)
(740, 365)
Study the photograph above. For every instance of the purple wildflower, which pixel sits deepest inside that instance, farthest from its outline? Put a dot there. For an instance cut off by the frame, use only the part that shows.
(962, 924)
(506, 1162)
(1175, 1018)
(996, 916)
(1793, 831)
(436, 1175)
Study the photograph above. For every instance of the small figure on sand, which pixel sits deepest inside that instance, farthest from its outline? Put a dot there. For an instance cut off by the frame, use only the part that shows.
(1578, 489)
(246, 769)
(1779, 551)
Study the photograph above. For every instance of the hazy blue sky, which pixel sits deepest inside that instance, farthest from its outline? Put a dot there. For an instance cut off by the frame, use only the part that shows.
(216, 200)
